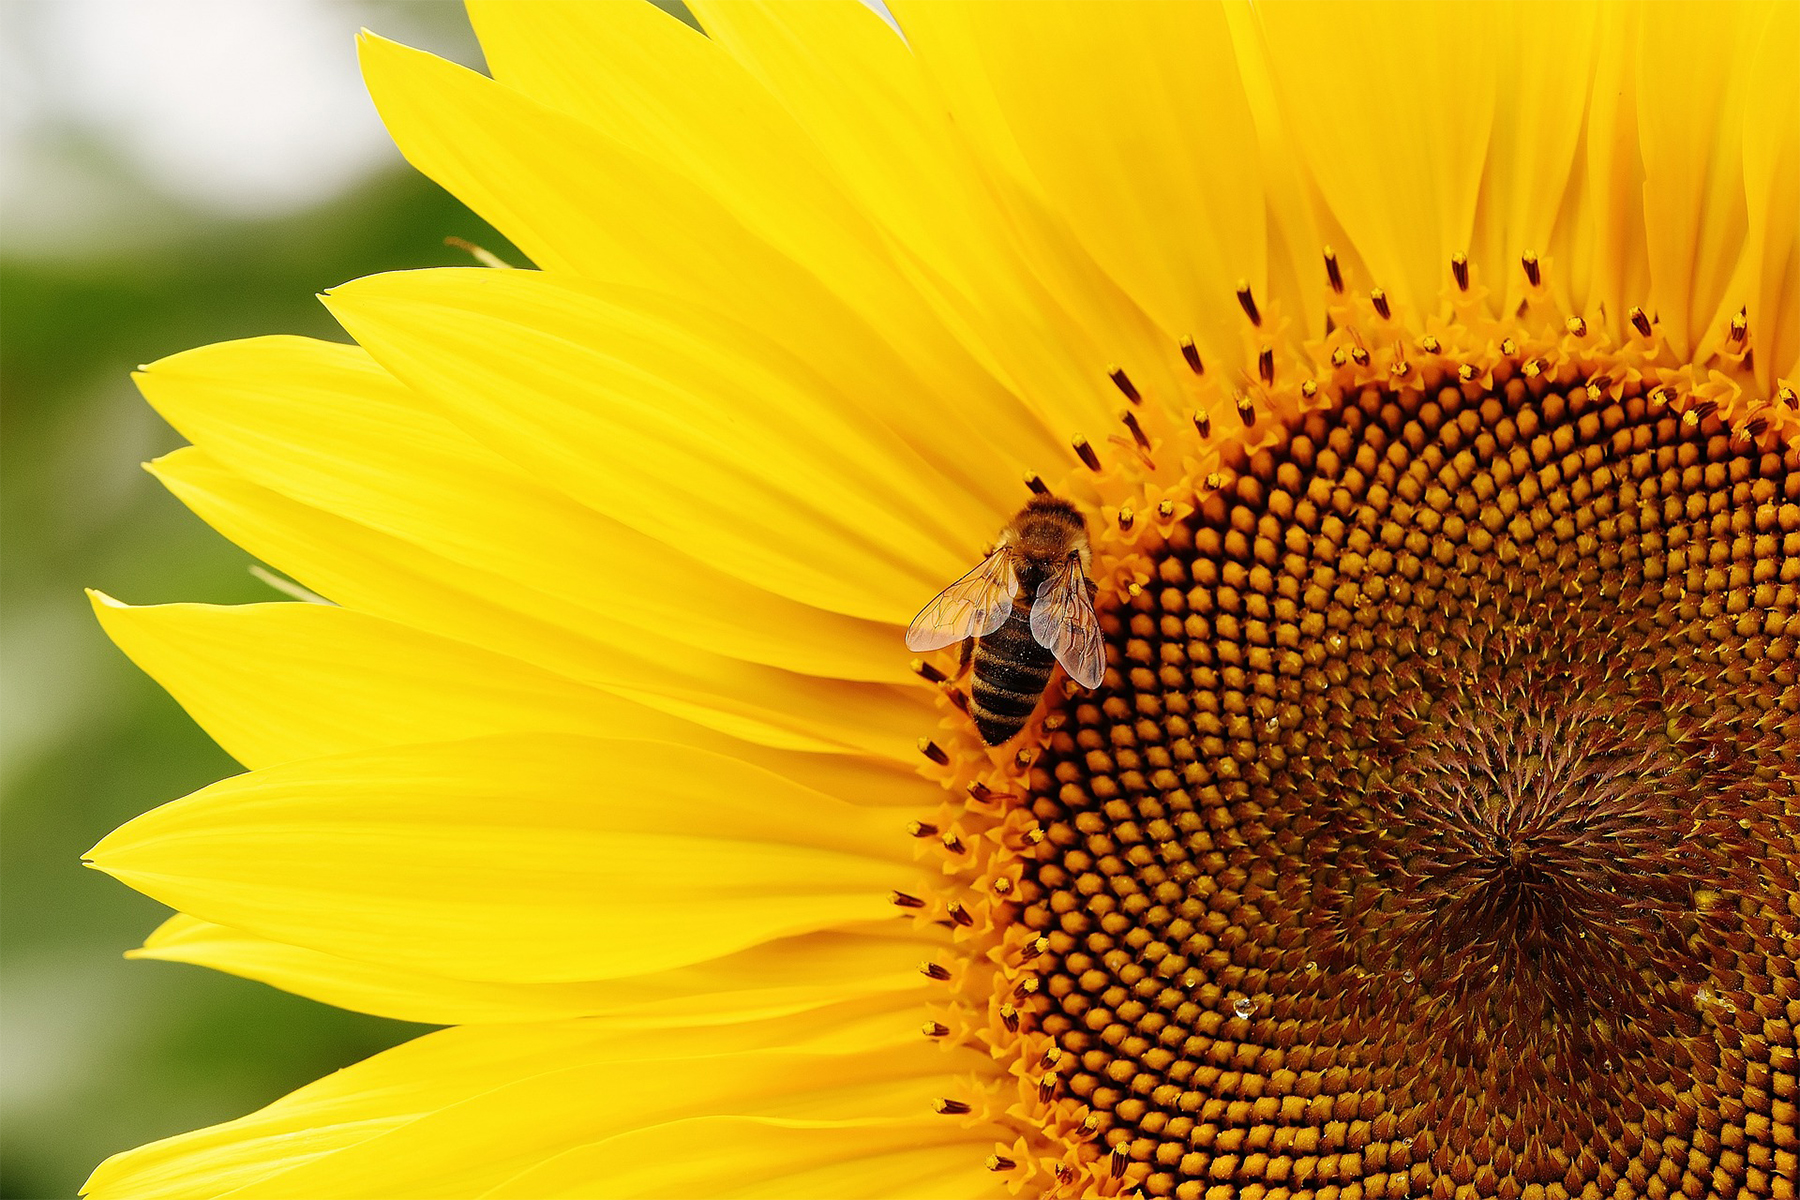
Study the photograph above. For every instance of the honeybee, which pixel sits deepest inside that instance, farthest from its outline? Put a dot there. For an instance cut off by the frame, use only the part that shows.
(1028, 606)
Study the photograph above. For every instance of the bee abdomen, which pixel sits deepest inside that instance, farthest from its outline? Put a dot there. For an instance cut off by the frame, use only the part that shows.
(1011, 672)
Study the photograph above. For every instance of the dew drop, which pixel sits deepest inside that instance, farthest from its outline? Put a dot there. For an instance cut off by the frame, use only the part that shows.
(1243, 1006)
(1312, 968)
(1271, 725)
(1407, 975)
(1335, 643)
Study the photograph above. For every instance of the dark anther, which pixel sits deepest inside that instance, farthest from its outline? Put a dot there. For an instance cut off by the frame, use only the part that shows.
(1122, 381)
(959, 914)
(1249, 304)
(958, 698)
(1126, 518)
(1576, 326)
(1333, 275)
(922, 829)
(1459, 270)
(1309, 388)
(903, 900)
(1203, 424)
(1164, 509)
(952, 843)
(1529, 261)
(999, 1162)
(933, 751)
(1120, 1156)
(1191, 352)
(933, 970)
(1429, 344)
(927, 672)
(1246, 409)
(1740, 325)
(1508, 347)
(1009, 1017)
(1047, 1088)
(1639, 321)
(1027, 986)
(1036, 485)
(1379, 299)
(1359, 356)
(1788, 397)
(933, 1029)
(949, 1108)
(1466, 372)
(1130, 421)
(1085, 452)
(980, 792)
(1002, 886)
(1265, 364)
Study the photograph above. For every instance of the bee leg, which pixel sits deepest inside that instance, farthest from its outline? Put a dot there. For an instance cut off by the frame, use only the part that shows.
(968, 656)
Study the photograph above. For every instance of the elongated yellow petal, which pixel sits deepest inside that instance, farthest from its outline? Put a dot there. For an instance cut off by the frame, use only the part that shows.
(1770, 285)
(1531, 152)
(453, 1113)
(276, 682)
(518, 858)
(1027, 298)
(322, 424)
(386, 577)
(790, 975)
(761, 1157)
(1132, 119)
(1619, 276)
(685, 426)
(1391, 105)
(579, 200)
(1691, 133)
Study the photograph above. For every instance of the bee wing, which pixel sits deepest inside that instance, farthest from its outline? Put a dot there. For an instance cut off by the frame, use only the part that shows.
(973, 606)
(1064, 622)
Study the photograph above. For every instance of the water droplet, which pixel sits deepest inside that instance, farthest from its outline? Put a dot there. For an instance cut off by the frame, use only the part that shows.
(1431, 652)
(1335, 643)
(1407, 1144)
(1407, 975)
(1312, 968)
(1243, 1006)
(1271, 725)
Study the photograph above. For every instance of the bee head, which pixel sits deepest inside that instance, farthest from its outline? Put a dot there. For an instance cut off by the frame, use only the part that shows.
(1045, 533)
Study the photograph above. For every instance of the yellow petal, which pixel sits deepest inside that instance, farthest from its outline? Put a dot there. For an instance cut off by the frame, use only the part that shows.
(1619, 277)
(1391, 106)
(683, 425)
(322, 424)
(1132, 120)
(1022, 293)
(538, 858)
(774, 1159)
(276, 682)
(1770, 287)
(1536, 132)
(454, 1113)
(386, 577)
(786, 976)
(1691, 132)
(578, 200)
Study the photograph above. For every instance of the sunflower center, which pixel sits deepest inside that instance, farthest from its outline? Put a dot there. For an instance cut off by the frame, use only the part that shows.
(1417, 808)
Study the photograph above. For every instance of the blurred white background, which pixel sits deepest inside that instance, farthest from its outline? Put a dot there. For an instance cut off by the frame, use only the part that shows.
(113, 113)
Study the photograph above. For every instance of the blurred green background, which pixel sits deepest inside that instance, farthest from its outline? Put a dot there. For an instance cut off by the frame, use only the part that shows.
(118, 247)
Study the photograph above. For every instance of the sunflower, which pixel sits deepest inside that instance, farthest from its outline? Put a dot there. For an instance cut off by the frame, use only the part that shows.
(1424, 376)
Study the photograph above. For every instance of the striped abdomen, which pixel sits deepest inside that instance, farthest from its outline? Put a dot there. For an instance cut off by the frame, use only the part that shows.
(1011, 672)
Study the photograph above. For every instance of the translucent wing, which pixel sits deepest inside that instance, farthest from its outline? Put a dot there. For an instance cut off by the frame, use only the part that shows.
(1064, 623)
(973, 606)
